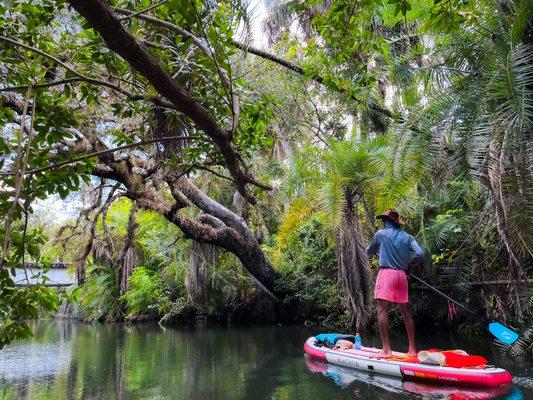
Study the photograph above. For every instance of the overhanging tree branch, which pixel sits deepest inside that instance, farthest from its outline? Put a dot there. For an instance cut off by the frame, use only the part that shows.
(232, 235)
(299, 70)
(143, 11)
(100, 153)
(263, 54)
(41, 85)
(203, 167)
(226, 81)
(101, 18)
(44, 54)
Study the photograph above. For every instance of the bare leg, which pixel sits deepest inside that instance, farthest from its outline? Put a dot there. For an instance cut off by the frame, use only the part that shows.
(410, 327)
(383, 321)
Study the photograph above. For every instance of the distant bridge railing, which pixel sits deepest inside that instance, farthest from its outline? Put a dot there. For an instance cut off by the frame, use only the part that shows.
(48, 284)
(58, 275)
(54, 265)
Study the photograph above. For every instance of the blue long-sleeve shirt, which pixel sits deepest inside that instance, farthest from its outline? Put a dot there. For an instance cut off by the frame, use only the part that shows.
(394, 247)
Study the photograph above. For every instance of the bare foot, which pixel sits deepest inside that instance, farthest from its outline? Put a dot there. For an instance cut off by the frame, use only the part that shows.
(384, 354)
(412, 353)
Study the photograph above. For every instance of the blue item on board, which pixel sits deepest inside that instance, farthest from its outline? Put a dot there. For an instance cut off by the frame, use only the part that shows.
(358, 342)
(330, 339)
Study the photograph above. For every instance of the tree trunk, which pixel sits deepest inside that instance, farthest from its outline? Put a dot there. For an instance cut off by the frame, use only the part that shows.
(128, 259)
(354, 267)
(222, 227)
(255, 262)
(203, 259)
(217, 225)
(500, 183)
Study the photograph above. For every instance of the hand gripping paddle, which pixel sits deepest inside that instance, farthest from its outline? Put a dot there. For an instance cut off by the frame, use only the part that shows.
(500, 332)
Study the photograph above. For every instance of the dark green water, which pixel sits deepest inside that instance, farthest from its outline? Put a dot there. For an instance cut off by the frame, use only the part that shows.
(70, 360)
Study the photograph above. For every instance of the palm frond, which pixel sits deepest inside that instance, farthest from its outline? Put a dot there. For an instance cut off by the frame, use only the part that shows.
(298, 214)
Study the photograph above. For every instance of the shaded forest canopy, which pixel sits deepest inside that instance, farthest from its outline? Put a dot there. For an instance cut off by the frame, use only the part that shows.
(223, 180)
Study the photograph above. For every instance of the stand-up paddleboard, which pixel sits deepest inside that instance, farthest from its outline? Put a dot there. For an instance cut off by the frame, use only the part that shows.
(400, 365)
(343, 377)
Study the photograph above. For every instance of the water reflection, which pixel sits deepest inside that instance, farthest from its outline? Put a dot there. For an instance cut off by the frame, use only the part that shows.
(70, 360)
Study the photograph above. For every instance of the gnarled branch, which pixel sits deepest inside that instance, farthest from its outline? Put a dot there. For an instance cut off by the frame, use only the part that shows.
(263, 54)
(101, 18)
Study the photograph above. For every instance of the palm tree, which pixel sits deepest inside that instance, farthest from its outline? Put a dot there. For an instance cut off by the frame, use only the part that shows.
(331, 184)
(478, 118)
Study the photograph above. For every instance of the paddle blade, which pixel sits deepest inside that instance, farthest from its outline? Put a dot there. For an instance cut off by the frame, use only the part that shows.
(502, 333)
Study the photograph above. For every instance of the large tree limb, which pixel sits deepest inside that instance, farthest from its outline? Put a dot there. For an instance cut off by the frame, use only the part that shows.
(232, 235)
(101, 18)
(260, 53)
(226, 81)
(245, 247)
(209, 206)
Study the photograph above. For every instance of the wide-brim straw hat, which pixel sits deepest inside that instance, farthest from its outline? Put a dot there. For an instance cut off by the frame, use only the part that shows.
(392, 215)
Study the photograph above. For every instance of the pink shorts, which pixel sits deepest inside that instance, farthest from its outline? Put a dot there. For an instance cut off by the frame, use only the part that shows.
(391, 285)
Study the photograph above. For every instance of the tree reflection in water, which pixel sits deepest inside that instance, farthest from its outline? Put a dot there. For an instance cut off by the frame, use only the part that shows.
(70, 360)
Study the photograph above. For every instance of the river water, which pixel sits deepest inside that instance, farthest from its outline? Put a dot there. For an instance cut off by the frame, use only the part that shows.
(70, 360)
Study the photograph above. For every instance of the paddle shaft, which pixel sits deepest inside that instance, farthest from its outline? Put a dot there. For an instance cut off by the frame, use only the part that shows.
(449, 298)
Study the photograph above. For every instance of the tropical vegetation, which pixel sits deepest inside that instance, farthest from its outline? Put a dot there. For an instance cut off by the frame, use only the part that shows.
(215, 179)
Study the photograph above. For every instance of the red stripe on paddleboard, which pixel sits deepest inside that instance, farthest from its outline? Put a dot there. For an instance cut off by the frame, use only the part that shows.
(461, 376)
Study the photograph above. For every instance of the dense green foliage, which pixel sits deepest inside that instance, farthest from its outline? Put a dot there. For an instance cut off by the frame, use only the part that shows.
(426, 107)
(151, 287)
(19, 304)
(306, 267)
(16, 305)
(146, 293)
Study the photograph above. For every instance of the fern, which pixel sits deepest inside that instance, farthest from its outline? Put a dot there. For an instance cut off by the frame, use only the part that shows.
(146, 293)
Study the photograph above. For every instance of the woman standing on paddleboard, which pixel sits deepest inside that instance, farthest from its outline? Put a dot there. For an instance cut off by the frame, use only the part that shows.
(394, 247)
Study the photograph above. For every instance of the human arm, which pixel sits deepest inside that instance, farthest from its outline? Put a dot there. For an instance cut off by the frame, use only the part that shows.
(415, 248)
(416, 256)
(374, 245)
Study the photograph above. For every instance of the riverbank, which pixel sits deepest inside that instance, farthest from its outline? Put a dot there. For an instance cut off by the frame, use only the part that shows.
(192, 317)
